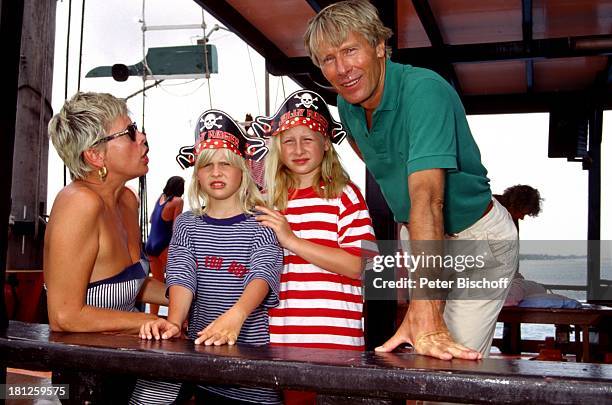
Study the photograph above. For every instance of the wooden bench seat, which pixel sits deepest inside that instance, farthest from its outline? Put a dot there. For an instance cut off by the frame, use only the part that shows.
(364, 377)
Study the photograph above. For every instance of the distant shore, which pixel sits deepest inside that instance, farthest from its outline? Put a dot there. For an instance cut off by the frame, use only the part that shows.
(533, 256)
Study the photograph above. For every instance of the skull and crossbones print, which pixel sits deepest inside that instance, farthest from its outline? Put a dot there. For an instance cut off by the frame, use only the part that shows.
(306, 100)
(210, 121)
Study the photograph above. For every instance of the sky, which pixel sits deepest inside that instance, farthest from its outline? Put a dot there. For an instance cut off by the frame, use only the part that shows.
(513, 147)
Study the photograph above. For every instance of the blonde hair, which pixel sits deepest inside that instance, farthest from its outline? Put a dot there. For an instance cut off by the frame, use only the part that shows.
(333, 24)
(83, 120)
(279, 179)
(249, 195)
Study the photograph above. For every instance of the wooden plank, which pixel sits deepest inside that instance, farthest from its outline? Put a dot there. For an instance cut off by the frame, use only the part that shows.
(330, 372)
(587, 316)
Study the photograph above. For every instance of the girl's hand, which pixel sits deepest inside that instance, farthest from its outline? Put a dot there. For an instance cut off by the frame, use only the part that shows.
(278, 223)
(223, 330)
(159, 328)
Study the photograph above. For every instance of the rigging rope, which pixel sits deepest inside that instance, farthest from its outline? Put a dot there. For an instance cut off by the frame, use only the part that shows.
(67, 62)
(81, 45)
(254, 81)
(142, 180)
(207, 69)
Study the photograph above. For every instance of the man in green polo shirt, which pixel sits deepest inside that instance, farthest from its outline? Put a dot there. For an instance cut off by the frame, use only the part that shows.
(410, 128)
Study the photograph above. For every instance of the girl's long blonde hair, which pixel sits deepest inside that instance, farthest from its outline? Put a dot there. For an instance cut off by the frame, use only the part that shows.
(280, 180)
(249, 195)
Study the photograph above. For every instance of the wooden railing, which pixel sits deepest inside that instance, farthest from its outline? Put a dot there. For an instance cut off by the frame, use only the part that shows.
(337, 376)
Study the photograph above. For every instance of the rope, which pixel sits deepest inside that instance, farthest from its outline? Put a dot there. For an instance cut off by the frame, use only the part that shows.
(67, 64)
(207, 69)
(81, 45)
(283, 83)
(142, 180)
(254, 81)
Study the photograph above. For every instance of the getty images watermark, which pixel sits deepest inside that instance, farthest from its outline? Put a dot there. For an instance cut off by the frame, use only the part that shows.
(410, 262)
(452, 269)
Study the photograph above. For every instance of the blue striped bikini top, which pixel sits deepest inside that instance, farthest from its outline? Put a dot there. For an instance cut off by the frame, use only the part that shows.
(119, 291)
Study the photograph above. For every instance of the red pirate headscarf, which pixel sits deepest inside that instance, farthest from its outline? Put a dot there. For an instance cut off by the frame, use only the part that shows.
(216, 130)
(303, 107)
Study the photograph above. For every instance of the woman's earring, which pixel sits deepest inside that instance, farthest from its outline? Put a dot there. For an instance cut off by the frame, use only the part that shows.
(102, 173)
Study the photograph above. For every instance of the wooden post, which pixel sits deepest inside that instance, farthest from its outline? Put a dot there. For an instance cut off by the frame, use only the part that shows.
(29, 182)
(594, 205)
(379, 314)
(10, 35)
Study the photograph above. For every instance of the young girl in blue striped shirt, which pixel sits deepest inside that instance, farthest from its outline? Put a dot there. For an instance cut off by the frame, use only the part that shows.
(223, 266)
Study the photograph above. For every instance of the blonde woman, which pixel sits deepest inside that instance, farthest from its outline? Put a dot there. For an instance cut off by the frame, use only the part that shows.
(92, 267)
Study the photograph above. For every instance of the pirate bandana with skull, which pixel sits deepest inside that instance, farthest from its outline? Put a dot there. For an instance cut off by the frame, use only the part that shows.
(216, 130)
(304, 107)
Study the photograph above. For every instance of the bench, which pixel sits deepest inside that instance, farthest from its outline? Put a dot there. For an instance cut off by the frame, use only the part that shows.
(582, 319)
(337, 376)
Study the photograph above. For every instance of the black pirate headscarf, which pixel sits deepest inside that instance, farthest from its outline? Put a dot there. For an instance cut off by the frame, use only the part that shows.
(303, 107)
(215, 130)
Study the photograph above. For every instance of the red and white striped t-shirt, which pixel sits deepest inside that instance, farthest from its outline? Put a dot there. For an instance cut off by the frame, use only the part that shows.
(318, 308)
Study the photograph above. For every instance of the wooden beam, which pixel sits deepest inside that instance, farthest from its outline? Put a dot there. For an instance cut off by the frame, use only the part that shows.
(428, 20)
(598, 45)
(318, 5)
(527, 17)
(523, 103)
(239, 25)
(387, 10)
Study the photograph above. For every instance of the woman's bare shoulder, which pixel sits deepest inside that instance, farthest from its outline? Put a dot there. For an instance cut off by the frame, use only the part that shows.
(75, 207)
(78, 198)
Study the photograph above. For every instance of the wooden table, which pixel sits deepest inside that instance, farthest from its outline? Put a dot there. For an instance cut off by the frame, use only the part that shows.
(582, 319)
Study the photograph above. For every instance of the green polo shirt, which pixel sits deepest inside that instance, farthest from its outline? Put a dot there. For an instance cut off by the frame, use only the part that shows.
(420, 124)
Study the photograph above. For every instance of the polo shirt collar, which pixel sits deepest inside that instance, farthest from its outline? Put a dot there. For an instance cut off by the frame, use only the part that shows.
(390, 98)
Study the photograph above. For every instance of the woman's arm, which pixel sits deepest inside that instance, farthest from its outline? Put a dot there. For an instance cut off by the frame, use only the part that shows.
(173, 209)
(153, 291)
(71, 249)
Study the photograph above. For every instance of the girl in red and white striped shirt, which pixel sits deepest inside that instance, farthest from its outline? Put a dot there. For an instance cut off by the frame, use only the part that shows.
(322, 222)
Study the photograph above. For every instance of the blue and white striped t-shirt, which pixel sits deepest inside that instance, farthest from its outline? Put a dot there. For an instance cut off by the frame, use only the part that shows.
(216, 259)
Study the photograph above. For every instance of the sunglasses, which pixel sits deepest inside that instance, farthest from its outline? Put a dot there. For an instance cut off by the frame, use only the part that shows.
(129, 131)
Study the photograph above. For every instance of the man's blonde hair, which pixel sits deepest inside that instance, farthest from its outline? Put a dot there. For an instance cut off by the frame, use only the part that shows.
(249, 195)
(84, 119)
(333, 24)
(279, 179)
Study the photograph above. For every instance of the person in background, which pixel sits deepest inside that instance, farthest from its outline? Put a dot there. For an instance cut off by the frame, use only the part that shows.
(167, 208)
(410, 128)
(520, 200)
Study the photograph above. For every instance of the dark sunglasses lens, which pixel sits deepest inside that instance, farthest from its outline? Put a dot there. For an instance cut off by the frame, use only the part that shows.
(132, 128)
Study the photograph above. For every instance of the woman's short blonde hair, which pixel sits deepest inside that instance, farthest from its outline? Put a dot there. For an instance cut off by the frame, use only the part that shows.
(248, 193)
(280, 180)
(84, 119)
(333, 24)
